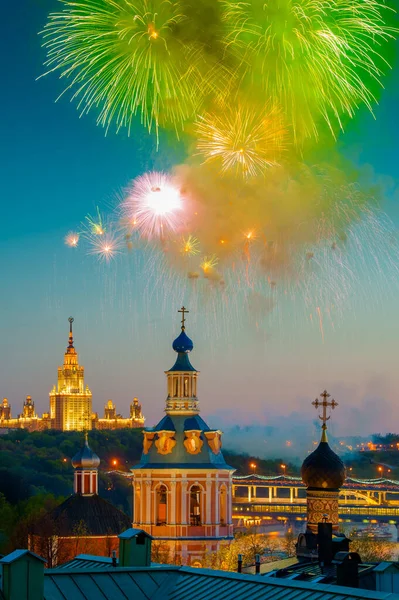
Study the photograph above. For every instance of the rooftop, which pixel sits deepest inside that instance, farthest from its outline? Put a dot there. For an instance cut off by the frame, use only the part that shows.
(179, 583)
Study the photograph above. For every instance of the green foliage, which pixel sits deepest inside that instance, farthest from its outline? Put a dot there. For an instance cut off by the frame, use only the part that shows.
(373, 550)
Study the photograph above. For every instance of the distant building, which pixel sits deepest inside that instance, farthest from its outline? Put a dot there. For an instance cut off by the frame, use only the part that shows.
(182, 486)
(84, 522)
(70, 404)
(70, 401)
(113, 420)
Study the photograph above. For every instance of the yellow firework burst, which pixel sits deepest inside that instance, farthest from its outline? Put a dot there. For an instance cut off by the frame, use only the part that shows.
(190, 246)
(245, 140)
(209, 263)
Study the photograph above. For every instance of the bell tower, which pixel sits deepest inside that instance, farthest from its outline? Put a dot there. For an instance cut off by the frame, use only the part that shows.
(182, 485)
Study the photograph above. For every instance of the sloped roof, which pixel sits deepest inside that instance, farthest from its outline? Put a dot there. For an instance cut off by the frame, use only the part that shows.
(179, 583)
(99, 516)
(179, 458)
(16, 554)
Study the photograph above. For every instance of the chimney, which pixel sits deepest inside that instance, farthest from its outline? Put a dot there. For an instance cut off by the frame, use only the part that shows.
(135, 548)
(239, 563)
(257, 564)
(22, 576)
(347, 564)
(324, 543)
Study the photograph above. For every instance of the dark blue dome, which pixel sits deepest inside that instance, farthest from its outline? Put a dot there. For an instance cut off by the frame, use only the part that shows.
(182, 343)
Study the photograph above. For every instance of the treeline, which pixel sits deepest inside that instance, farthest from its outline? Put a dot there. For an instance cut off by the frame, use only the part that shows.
(40, 462)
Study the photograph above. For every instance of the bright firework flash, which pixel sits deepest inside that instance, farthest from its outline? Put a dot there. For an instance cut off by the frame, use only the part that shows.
(72, 239)
(106, 247)
(132, 58)
(318, 59)
(155, 203)
(244, 140)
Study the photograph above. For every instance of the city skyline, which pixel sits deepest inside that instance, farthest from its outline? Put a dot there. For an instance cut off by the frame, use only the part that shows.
(269, 365)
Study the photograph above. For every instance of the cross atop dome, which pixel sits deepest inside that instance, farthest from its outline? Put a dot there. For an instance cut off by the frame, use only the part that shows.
(183, 344)
(324, 404)
(183, 310)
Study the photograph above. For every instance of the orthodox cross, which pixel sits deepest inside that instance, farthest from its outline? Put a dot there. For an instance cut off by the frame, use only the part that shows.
(324, 404)
(183, 310)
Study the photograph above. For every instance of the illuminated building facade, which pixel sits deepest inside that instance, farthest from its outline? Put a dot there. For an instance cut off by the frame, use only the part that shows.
(70, 404)
(70, 401)
(182, 486)
(113, 420)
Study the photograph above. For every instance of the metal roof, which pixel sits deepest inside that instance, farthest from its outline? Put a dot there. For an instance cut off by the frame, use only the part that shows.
(6, 560)
(133, 532)
(165, 582)
(100, 517)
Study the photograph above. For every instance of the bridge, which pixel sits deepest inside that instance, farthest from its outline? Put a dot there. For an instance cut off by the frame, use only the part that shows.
(259, 499)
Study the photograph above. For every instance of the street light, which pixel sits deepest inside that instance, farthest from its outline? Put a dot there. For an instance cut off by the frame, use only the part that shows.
(284, 468)
(253, 467)
(114, 462)
(381, 470)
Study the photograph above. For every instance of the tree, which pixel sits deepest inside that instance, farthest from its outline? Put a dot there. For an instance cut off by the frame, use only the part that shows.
(160, 552)
(289, 542)
(373, 550)
(8, 515)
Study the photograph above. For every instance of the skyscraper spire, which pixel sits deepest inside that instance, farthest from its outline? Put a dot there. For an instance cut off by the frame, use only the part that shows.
(70, 341)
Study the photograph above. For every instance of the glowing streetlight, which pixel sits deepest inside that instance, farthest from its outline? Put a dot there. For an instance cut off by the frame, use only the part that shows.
(283, 468)
(114, 462)
(253, 467)
(381, 470)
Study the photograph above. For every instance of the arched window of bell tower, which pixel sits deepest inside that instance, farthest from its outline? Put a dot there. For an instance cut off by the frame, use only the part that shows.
(161, 505)
(223, 505)
(195, 505)
(185, 387)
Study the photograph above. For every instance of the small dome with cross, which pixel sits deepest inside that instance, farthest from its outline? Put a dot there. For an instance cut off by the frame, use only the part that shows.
(85, 458)
(323, 469)
(182, 343)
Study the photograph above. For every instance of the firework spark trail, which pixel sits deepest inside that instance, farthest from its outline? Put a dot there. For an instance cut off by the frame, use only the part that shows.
(320, 323)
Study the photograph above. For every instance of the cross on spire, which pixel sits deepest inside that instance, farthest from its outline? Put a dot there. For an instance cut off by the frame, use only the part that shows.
(183, 310)
(324, 404)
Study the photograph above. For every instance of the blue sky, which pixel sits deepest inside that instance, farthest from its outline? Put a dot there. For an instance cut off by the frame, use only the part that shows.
(57, 167)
